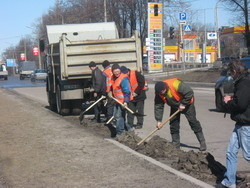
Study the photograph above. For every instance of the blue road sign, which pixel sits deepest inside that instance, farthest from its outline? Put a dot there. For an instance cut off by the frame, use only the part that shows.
(187, 28)
(183, 16)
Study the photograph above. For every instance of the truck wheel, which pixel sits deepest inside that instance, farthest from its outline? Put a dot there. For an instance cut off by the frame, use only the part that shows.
(61, 105)
(21, 77)
(6, 78)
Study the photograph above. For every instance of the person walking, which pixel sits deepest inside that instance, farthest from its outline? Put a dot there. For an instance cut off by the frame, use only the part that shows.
(238, 106)
(108, 76)
(138, 89)
(178, 95)
(99, 86)
(120, 91)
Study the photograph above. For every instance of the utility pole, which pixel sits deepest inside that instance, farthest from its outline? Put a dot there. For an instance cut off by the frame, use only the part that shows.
(204, 59)
(217, 29)
(105, 10)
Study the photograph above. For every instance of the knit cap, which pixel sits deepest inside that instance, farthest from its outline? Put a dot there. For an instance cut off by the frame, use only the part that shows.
(160, 86)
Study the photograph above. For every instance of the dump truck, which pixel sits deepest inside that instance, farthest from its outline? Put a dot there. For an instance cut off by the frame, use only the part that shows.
(70, 49)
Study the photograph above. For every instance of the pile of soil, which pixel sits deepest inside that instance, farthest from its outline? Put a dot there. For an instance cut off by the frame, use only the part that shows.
(200, 165)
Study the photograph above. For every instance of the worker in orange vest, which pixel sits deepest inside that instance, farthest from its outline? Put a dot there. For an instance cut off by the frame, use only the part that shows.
(178, 95)
(138, 89)
(108, 75)
(121, 91)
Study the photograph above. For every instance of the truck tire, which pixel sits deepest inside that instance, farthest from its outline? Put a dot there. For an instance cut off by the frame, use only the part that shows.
(21, 77)
(6, 78)
(62, 106)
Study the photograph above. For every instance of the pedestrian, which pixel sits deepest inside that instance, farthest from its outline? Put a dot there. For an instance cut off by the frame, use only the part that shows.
(138, 89)
(99, 86)
(178, 95)
(108, 76)
(238, 106)
(120, 91)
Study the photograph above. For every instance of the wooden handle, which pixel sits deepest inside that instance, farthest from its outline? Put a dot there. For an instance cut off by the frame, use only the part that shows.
(123, 105)
(94, 104)
(110, 120)
(150, 134)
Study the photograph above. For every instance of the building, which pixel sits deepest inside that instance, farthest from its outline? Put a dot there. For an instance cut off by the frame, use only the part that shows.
(233, 42)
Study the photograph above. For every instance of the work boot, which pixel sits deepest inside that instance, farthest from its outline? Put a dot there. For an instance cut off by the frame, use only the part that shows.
(201, 139)
(176, 140)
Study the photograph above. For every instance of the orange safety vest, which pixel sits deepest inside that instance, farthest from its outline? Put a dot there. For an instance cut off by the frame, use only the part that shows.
(108, 73)
(173, 85)
(134, 82)
(116, 88)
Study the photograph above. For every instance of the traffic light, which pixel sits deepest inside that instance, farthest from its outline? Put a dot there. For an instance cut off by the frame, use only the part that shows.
(155, 9)
(171, 32)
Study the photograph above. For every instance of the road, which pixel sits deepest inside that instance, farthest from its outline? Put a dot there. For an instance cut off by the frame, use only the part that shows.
(217, 129)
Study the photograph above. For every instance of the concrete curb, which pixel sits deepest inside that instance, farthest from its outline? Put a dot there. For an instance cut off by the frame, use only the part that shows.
(163, 166)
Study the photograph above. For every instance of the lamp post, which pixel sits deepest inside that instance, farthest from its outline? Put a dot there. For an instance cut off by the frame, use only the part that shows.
(105, 10)
(217, 28)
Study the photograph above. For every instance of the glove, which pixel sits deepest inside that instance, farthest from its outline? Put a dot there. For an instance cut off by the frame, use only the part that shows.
(110, 94)
(125, 105)
(135, 95)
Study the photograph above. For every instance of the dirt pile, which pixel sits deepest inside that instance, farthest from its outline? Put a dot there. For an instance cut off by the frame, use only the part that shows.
(200, 165)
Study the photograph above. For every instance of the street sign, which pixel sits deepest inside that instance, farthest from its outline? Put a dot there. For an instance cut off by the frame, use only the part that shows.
(187, 28)
(211, 35)
(183, 16)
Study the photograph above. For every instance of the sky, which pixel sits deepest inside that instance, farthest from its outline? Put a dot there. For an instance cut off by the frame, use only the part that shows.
(209, 6)
(18, 16)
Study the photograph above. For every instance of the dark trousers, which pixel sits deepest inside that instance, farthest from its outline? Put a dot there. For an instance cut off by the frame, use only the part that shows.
(136, 107)
(109, 108)
(190, 114)
(98, 108)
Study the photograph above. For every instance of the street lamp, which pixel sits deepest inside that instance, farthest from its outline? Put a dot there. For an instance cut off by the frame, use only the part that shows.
(105, 10)
(217, 28)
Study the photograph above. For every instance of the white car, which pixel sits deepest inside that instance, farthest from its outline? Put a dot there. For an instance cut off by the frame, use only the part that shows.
(38, 74)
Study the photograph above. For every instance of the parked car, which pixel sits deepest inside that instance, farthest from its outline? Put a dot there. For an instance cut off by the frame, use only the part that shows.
(38, 74)
(224, 85)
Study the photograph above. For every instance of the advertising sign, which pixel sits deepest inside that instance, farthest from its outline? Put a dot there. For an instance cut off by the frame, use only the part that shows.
(35, 50)
(154, 41)
(22, 56)
(211, 35)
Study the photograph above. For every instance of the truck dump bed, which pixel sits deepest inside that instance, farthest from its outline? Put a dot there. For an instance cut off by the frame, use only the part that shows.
(76, 56)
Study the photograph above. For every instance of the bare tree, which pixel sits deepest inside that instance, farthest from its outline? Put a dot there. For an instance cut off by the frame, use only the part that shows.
(240, 8)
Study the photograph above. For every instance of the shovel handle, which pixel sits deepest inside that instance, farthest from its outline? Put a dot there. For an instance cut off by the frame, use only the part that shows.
(127, 108)
(102, 97)
(150, 134)
(110, 119)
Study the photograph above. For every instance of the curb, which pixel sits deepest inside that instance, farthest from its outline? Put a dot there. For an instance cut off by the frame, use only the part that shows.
(163, 166)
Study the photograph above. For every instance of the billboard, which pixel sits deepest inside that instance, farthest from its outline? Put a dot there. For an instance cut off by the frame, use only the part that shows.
(11, 62)
(154, 40)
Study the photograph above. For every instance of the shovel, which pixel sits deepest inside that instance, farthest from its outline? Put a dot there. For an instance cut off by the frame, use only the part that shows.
(91, 106)
(143, 140)
(127, 108)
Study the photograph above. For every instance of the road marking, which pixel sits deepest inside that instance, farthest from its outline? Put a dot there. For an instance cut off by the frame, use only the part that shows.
(164, 166)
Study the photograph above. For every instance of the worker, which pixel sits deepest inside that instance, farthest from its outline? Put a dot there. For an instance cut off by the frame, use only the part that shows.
(108, 76)
(178, 95)
(138, 89)
(99, 86)
(121, 92)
